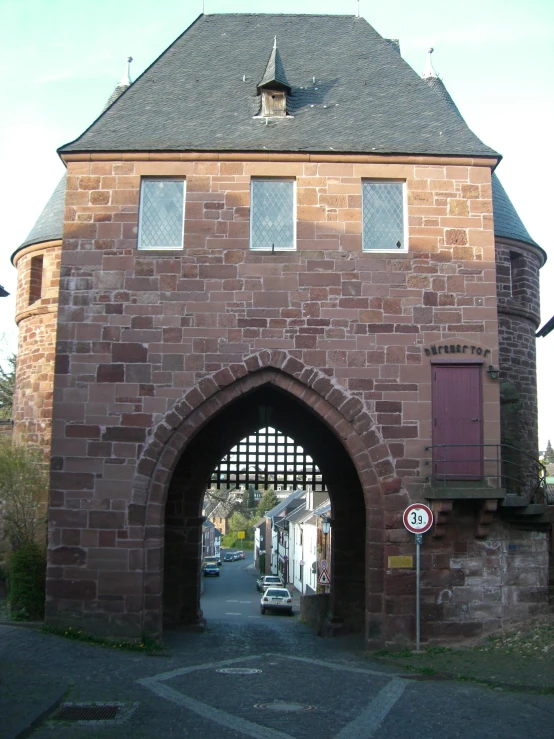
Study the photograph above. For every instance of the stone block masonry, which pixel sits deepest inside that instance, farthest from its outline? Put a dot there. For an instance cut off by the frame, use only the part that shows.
(38, 272)
(139, 330)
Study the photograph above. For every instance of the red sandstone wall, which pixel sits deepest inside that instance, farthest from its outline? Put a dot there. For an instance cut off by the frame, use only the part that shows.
(138, 329)
(37, 322)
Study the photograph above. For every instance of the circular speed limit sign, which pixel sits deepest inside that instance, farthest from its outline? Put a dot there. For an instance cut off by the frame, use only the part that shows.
(418, 518)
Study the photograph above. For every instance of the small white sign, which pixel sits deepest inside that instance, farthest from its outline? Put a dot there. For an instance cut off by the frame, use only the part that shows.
(418, 518)
(324, 578)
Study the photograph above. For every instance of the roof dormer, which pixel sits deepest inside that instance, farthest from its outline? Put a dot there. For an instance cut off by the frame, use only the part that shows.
(274, 87)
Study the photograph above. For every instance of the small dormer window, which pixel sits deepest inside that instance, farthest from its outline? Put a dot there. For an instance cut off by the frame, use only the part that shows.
(274, 87)
(274, 103)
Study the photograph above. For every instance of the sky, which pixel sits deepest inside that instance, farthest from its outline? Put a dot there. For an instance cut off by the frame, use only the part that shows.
(61, 60)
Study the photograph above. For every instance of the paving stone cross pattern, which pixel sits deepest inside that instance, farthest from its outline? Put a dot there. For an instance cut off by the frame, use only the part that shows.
(267, 678)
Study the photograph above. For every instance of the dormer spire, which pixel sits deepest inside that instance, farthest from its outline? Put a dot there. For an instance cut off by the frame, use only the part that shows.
(125, 80)
(274, 86)
(274, 74)
(429, 71)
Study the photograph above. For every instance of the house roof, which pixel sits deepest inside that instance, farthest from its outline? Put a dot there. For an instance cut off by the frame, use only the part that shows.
(323, 509)
(224, 509)
(365, 97)
(297, 514)
(284, 504)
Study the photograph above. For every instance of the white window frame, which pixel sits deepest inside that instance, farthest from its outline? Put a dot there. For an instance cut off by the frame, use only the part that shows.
(273, 179)
(140, 211)
(394, 250)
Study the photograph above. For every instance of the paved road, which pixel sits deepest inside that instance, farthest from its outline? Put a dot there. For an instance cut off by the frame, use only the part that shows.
(264, 677)
(233, 596)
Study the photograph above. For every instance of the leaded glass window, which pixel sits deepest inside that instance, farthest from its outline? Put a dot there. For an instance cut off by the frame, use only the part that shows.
(272, 216)
(161, 214)
(383, 216)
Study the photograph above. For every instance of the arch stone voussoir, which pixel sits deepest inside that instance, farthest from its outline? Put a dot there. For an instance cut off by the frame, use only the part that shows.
(345, 414)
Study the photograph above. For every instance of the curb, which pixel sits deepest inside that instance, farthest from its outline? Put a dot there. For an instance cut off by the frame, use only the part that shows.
(36, 625)
(37, 716)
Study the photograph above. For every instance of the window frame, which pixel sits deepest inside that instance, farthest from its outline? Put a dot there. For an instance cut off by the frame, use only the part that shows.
(292, 180)
(140, 212)
(405, 246)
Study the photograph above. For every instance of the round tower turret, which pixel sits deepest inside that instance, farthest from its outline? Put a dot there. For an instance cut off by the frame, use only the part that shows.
(37, 261)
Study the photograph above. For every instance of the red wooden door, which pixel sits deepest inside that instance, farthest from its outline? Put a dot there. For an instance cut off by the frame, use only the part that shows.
(457, 422)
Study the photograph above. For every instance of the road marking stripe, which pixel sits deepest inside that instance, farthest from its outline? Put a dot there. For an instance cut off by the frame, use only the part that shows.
(332, 665)
(248, 728)
(376, 712)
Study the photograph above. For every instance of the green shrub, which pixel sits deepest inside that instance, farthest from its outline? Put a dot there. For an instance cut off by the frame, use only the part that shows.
(24, 490)
(27, 581)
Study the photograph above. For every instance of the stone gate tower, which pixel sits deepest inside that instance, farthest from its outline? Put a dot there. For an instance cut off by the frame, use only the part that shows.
(255, 225)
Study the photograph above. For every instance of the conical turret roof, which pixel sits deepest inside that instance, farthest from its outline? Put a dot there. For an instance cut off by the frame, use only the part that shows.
(49, 225)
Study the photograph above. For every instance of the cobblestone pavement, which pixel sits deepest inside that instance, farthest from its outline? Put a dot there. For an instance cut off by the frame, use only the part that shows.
(268, 678)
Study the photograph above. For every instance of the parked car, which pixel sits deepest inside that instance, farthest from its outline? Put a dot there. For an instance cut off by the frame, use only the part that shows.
(229, 557)
(268, 581)
(211, 570)
(237, 556)
(276, 599)
(211, 559)
(240, 555)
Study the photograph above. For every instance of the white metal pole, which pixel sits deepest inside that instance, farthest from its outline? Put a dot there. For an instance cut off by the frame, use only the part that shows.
(419, 539)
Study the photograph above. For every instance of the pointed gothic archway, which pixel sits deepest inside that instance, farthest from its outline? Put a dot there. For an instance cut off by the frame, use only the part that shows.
(321, 416)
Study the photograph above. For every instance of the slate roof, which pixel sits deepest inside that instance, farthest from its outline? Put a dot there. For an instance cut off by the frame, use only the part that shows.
(291, 500)
(297, 514)
(366, 98)
(507, 222)
(49, 225)
(438, 86)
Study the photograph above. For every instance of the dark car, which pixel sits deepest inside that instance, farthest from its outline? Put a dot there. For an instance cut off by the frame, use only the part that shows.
(211, 570)
(229, 557)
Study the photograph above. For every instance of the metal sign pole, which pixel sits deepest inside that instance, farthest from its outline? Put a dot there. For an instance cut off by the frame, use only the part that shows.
(418, 518)
(418, 541)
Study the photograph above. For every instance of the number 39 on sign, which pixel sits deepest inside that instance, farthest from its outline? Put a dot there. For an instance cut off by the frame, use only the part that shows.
(418, 518)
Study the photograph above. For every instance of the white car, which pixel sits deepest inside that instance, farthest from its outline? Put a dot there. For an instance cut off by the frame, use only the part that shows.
(268, 581)
(276, 599)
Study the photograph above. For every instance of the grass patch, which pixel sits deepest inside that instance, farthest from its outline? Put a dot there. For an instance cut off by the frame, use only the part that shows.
(147, 645)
